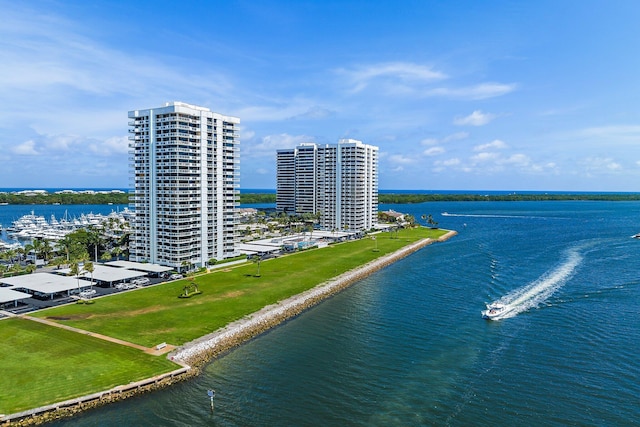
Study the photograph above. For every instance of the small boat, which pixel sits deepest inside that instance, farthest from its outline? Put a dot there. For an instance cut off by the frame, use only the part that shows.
(636, 236)
(495, 309)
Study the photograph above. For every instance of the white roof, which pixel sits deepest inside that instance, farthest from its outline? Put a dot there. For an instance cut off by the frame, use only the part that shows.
(45, 283)
(142, 266)
(108, 274)
(8, 295)
(248, 248)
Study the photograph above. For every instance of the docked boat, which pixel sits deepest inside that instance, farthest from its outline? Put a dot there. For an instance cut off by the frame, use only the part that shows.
(494, 310)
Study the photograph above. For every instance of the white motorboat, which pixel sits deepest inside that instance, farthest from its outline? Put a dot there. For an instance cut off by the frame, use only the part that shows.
(494, 310)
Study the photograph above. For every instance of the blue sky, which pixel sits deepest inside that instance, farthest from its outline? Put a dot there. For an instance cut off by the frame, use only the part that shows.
(458, 95)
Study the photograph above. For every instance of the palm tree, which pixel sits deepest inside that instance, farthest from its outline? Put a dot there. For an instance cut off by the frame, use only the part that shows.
(37, 246)
(74, 270)
(57, 261)
(66, 243)
(47, 249)
(94, 239)
(116, 252)
(256, 259)
(21, 252)
(11, 253)
(89, 268)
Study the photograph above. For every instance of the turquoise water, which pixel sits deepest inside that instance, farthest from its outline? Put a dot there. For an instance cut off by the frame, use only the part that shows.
(407, 346)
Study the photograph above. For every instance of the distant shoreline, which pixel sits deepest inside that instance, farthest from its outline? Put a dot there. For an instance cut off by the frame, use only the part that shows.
(117, 197)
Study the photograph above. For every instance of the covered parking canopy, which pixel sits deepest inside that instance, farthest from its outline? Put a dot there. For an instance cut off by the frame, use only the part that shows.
(45, 283)
(141, 266)
(253, 248)
(109, 275)
(9, 295)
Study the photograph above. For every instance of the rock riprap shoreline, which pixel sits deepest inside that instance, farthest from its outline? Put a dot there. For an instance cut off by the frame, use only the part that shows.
(202, 350)
(195, 354)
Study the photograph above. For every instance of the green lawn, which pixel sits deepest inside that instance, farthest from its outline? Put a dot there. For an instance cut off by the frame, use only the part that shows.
(43, 364)
(153, 315)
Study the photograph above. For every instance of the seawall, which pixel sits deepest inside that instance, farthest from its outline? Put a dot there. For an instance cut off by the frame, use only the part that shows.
(200, 351)
(195, 354)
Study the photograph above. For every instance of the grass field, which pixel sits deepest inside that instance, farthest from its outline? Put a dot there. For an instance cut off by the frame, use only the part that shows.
(43, 364)
(153, 315)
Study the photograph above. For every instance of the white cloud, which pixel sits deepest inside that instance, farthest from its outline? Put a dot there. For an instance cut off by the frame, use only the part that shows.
(627, 133)
(477, 118)
(453, 137)
(394, 72)
(269, 145)
(27, 148)
(600, 165)
(493, 145)
(441, 165)
(479, 91)
(113, 145)
(401, 159)
(484, 157)
(433, 151)
(456, 136)
(429, 141)
(314, 113)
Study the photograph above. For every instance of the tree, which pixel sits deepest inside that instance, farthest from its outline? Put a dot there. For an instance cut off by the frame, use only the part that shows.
(37, 246)
(66, 243)
(74, 270)
(94, 239)
(256, 259)
(431, 222)
(57, 261)
(47, 249)
(89, 268)
(22, 252)
(106, 256)
(116, 252)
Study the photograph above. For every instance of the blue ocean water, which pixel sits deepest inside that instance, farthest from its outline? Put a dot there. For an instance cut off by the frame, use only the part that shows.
(407, 346)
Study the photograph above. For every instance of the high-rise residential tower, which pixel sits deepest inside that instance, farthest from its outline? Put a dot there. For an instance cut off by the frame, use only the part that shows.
(337, 182)
(185, 166)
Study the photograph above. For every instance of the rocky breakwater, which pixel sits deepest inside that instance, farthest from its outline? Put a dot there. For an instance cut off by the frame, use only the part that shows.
(198, 352)
(194, 355)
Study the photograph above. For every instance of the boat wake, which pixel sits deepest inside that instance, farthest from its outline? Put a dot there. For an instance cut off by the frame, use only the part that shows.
(492, 216)
(535, 293)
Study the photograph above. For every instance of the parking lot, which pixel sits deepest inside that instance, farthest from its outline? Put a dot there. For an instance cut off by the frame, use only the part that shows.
(96, 291)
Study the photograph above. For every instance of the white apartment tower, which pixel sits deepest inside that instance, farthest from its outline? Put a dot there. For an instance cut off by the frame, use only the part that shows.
(338, 182)
(185, 167)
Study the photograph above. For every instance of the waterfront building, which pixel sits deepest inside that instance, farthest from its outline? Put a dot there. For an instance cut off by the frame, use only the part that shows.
(337, 182)
(185, 172)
